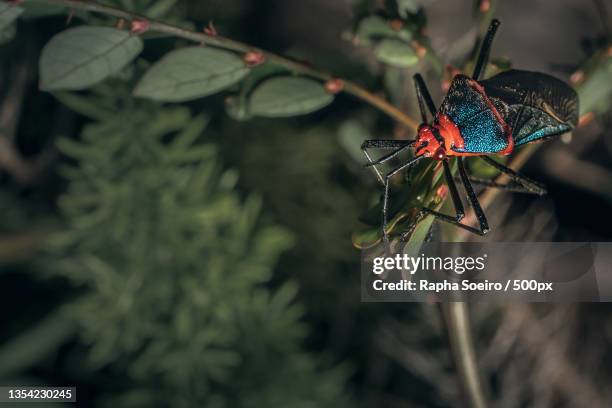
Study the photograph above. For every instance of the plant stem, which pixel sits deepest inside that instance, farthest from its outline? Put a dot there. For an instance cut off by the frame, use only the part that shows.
(455, 314)
(229, 44)
(457, 321)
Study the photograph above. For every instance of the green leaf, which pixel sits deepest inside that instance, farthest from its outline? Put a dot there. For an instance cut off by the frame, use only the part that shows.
(83, 105)
(595, 92)
(397, 53)
(288, 96)
(84, 56)
(406, 7)
(373, 28)
(237, 106)
(366, 239)
(419, 235)
(191, 73)
(8, 14)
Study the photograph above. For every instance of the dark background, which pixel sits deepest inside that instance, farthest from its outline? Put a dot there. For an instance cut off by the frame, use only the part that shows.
(391, 355)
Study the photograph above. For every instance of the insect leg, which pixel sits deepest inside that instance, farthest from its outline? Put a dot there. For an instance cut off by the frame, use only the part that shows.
(387, 178)
(512, 187)
(454, 193)
(482, 219)
(399, 145)
(423, 97)
(453, 221)
(531, 186)
(452, 188)
(459, 211)
(408, 143)
(385, 144)
(485, 49)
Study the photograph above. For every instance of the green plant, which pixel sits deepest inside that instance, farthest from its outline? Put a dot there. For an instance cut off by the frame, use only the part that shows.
(147, 203)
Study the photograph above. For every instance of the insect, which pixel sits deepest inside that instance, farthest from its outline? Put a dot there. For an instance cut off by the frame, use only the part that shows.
(481, 118)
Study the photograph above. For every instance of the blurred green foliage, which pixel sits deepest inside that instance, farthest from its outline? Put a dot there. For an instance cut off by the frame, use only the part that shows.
(173, 260)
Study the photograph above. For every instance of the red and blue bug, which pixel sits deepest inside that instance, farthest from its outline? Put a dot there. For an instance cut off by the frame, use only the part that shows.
(482, 118)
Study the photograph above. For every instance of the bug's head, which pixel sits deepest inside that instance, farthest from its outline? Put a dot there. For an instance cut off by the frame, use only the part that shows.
(429, 144)
(440, 139)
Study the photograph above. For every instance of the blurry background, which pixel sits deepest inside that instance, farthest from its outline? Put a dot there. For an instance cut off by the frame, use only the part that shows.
(170, 255)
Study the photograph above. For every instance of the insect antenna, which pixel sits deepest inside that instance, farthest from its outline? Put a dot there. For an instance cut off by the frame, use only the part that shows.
(423, 97)
(485, 49)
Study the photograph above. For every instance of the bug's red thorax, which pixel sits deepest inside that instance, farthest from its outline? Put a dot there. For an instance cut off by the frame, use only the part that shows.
(429, 146)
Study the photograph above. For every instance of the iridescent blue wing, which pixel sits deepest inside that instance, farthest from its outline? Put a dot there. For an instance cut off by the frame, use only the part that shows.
(536, 106)
(482, 127)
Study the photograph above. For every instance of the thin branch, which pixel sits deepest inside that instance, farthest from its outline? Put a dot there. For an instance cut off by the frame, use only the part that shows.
(232, 45)
(11, 160)
(457, 320)
(11, 108)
